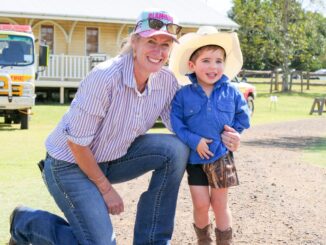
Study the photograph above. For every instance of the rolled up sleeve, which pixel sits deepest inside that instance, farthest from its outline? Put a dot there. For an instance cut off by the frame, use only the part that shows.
(87, 110)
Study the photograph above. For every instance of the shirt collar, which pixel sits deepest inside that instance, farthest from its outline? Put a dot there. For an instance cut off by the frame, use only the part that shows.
(128, 70)
(129, 80)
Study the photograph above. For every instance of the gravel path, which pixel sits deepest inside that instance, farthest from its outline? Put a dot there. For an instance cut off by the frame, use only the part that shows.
(280, 200)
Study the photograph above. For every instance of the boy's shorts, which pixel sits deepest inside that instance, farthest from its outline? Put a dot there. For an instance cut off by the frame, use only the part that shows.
(219, 174)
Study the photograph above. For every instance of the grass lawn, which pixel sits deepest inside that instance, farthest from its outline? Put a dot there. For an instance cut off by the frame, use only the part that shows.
(20, 179)
(316, 153)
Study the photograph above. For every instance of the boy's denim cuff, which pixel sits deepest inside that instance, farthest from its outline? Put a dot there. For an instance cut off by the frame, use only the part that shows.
(193, 141)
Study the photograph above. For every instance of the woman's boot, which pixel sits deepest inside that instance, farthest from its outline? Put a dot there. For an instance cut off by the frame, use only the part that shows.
(204, 235)
(224, 237)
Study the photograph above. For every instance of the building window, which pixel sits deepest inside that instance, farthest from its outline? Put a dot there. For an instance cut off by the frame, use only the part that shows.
(47, 35)
(91, 40)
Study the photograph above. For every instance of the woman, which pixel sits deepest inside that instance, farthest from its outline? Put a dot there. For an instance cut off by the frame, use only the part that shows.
(101, 140)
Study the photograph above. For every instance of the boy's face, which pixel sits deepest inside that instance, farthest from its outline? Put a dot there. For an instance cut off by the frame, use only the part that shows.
(209, 66)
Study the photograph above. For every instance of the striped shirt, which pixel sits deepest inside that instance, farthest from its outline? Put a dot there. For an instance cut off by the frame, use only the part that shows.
(108, 111)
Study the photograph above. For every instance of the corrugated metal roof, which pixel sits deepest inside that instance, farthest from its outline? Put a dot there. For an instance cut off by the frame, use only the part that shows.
(191, 13)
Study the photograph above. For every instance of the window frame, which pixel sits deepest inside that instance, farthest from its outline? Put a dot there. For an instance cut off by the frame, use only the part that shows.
(51, 49)
(86, 39)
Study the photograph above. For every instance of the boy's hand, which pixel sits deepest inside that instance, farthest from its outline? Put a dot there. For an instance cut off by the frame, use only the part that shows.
(231, 138)
(203, 149)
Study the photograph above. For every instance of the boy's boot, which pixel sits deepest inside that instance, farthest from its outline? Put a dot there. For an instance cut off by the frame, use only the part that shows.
(224, 237)
(204, 235)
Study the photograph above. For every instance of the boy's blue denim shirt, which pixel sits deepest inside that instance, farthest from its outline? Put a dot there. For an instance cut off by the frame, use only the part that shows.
(195, 116)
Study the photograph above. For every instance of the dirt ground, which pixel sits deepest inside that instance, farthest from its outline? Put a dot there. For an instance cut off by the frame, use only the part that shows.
(280, 200)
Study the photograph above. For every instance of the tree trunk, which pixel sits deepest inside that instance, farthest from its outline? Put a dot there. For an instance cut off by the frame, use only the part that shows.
(286, 72)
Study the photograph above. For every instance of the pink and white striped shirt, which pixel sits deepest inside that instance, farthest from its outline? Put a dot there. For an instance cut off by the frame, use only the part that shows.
(108, 112)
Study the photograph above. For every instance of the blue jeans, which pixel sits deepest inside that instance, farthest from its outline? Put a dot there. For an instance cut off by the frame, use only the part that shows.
(85, 210)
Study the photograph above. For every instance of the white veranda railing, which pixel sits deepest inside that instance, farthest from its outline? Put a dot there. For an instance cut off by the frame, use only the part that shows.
(66, 67)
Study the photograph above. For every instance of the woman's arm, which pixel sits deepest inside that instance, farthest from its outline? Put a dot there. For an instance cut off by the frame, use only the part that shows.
(87, 163)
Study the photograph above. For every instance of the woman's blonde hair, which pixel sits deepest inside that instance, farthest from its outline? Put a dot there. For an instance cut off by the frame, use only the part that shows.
(126, 43)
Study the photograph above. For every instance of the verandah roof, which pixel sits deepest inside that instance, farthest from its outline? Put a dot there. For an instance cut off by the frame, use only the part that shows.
(190, 13)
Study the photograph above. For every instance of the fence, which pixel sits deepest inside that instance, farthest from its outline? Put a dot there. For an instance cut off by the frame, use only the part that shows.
(275, 77)
(66, 67)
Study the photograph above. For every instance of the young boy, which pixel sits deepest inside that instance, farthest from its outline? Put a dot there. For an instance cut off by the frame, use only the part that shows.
(199, 114)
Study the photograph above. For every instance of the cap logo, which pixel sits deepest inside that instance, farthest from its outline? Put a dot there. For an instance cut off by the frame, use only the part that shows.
(160, 16)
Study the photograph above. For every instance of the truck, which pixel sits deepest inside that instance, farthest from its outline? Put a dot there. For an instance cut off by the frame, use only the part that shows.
(249, 92)
(18, 70)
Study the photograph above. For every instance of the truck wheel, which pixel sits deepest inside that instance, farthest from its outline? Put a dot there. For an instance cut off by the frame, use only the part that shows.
(7, 120)
(17, 119)
(251, 105)
(24, 121)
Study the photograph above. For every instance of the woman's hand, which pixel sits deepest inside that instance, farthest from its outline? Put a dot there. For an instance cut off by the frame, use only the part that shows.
(231, 138)
(111, 197)
(203, 149)
(87, 163)
(113, 201)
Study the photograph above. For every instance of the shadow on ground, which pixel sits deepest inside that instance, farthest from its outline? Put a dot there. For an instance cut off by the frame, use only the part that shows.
(300, 142)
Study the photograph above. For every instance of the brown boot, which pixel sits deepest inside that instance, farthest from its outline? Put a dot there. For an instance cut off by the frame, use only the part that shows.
(224, 237)
(204, 235)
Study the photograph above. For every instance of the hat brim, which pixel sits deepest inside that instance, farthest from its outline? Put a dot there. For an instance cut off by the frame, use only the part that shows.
(151, 33)
(188, 43)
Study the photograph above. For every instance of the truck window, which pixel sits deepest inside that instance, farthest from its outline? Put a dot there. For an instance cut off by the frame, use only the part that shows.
(16, 50)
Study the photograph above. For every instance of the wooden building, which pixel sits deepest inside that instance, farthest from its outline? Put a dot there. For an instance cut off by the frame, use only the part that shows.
(82, 33)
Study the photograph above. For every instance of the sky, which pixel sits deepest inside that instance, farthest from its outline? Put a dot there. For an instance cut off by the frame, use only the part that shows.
(223, 6)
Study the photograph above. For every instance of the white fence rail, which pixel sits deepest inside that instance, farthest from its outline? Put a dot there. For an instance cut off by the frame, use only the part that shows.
(66, 67)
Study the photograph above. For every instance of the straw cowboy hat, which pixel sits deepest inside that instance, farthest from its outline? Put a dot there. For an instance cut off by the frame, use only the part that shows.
(205, 35)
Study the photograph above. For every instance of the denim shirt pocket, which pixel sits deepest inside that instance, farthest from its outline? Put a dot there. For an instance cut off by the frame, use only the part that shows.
(191, 114)
(225, 111)
(191, 110)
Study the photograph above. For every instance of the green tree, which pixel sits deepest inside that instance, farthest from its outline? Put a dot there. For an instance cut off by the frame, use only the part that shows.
(312, 54)
(279, 33)
(250, 16)
(290, 34)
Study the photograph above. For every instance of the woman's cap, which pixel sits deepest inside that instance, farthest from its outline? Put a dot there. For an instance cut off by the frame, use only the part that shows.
(206, 35)
(144, 29)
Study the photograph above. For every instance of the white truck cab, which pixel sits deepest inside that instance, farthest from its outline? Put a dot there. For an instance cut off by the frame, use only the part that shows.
(18, 69)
